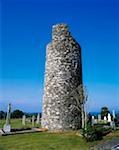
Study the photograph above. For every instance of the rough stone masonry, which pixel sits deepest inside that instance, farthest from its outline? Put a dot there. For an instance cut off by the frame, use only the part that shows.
(63, 74)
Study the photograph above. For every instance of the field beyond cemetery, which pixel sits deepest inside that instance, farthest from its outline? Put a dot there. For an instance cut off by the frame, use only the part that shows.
(48, 141)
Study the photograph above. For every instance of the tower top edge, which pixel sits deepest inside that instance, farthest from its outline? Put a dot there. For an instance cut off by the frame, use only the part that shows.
(60, 26)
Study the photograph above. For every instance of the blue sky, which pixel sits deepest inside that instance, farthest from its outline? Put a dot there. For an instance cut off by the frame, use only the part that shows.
(25, 29)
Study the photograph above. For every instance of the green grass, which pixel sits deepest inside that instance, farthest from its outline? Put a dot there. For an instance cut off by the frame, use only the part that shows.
(47, 141)
(43, 141)
(17, 123)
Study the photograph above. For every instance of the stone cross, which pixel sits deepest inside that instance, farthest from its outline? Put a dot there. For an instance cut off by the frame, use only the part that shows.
(33, 121)
(109, 117)
(38, 119)
(7, 127)
(24, 120)
(99, 117)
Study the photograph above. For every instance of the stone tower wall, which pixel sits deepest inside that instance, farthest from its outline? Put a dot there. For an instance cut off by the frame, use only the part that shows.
(63, 74)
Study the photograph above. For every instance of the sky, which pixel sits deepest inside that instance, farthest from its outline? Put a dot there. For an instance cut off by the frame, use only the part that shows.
(25, 30)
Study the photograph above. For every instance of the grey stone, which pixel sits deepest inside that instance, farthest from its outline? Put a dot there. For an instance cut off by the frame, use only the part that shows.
(112, 124)
(38, 119)
(109, 117)
(105, 118)
(1, 132)
(113, 114)
(63, 74)
(33, 121)
(24, 120)
(93, 120)
(99, 117)
(7, 126)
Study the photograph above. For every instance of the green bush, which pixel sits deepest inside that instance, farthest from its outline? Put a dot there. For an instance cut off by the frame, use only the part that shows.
(91, 134)
(104, 129)
(94, 133)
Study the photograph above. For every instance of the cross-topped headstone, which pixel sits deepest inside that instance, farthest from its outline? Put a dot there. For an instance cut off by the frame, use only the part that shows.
(7, 127)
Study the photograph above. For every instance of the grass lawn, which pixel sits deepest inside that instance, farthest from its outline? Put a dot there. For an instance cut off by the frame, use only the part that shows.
(47, 141)
(43, 141)
(16, 123)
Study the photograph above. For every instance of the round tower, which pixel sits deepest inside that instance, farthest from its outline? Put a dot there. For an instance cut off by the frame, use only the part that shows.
(63, 74)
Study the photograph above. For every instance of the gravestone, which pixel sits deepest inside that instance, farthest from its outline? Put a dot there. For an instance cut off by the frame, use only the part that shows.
(105, 118)
(29, 120)
(33, 121)
(7, 126)
(112, 124)
(24, 120)
(99, 117)
(38, 119)
(109, 117)
(93, 120)
(113, 114)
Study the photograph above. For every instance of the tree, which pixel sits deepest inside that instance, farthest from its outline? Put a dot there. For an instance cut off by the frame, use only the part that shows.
(80, 95)
(104, 111)
(2, 114)
(89, 119)
(17, 114)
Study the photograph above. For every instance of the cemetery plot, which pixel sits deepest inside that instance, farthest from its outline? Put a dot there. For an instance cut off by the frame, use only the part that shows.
(17, 126)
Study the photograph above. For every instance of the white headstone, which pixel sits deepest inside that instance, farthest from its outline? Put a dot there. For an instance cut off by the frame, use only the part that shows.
(109, 117)
(93, 117)
(113, 114)
(93, 120)
(105, 118)
(33, 120)
(112, 124)
(99, 117)
(38, 119)
(7, 127)
(24, 120)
